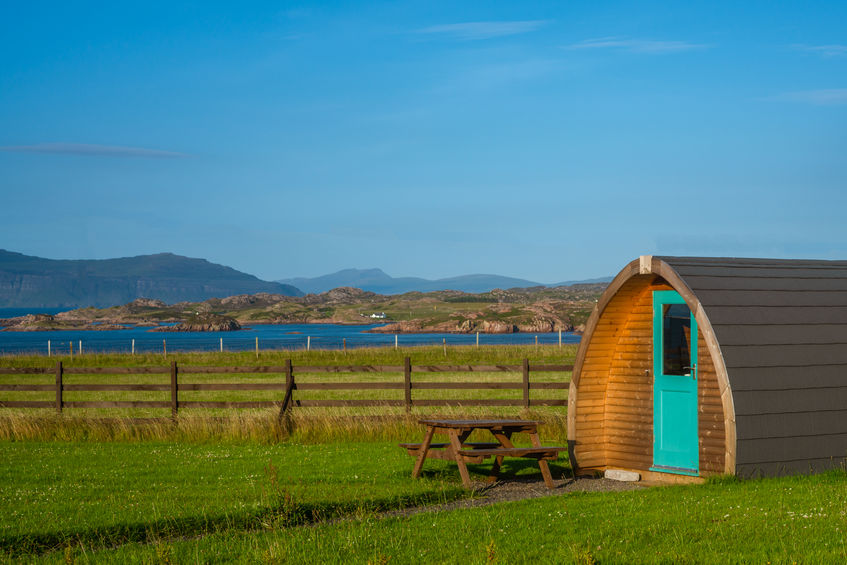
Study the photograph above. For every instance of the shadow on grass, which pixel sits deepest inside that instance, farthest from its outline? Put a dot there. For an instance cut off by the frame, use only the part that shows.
(285, 512)
(511, 469)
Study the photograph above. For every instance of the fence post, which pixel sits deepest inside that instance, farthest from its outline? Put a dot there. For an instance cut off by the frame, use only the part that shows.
(407, 380)
(289, 389)
(526, 383)
(174, 390)
(59, 387)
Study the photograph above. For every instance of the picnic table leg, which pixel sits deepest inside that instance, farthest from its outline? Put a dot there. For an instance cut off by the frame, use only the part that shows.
(422, 452)
(505, 439)
(542, 463)
(456, 445)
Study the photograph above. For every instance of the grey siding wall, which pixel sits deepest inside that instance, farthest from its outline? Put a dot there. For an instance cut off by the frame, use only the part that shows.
(782, 329)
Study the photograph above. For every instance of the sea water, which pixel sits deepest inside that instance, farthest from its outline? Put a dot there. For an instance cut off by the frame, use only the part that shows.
(271, 337)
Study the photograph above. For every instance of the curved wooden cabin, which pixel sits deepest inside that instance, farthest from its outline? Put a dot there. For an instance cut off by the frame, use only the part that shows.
(703, 366)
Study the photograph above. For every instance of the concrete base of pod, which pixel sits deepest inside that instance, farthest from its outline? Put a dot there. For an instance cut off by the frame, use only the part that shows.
(622, 475)
(647, 478)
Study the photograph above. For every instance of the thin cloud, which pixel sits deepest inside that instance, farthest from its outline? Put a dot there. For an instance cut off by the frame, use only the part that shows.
(89, 150)
(472, 31)
(823, 97)
(636, 45)
(833, 50)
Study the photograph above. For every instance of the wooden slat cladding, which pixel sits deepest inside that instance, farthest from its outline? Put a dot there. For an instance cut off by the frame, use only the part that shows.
(783, 334)
(614, 409)
(590, 408)
(807, 283)
(772, 298)
(785, 315)
(630, 389)
(709, 413)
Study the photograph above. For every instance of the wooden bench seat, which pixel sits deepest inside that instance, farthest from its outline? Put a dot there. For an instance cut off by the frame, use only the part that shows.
(414, 448)
(542, 452)
(471, 444)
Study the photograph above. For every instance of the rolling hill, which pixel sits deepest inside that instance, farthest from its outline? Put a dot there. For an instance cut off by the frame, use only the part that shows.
(376, 280)
(27, 281)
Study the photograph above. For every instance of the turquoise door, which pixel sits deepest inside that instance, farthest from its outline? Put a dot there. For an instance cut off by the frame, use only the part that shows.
(675, 444)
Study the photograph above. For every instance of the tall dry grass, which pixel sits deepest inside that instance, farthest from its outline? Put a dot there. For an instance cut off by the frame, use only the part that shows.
(304, 425)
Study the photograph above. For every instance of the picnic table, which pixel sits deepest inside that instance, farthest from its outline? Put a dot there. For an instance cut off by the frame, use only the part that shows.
(462, 452)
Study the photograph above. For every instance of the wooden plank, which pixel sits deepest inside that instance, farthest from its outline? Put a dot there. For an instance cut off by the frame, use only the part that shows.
(407, 381)
(722, 316)
(174, 389)
(11, 387)
(468, 402)
(27, 404)
(633, 462)
(203, 370)
(542, 368)
(230, 386)
(349, 386)
(289, 389)
(348, 368)
(477, 385)
(117, 404)
(632, 403)
(354, 402)
(26, 371)
(59, 386)
(784, 355)
(117, 370)
(229, 404)
(782, 334)
(771, 298)
(116, 387)
(466, 368)
(701, 282)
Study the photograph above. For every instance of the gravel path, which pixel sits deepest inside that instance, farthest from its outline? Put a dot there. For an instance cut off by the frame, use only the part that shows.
(519, 489)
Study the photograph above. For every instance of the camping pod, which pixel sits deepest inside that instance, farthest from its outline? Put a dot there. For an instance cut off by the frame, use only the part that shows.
(702, 366)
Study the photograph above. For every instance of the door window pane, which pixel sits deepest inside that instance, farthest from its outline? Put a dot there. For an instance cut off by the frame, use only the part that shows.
(676, 339)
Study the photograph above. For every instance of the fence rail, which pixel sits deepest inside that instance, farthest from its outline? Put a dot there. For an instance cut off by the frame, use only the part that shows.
(287, 387)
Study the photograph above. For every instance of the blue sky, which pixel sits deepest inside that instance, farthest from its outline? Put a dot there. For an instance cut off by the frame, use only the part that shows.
(541, 140)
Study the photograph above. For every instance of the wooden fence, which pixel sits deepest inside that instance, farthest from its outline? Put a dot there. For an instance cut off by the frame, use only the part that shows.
(287, 388)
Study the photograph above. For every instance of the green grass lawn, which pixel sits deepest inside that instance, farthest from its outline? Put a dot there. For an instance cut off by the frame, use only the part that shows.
(247, 502)
(785, 520)
(102, 494)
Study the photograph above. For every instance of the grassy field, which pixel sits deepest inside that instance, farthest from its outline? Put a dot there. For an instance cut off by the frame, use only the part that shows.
(184, 503)
(238, 487)
(102, 494)
(790, 520)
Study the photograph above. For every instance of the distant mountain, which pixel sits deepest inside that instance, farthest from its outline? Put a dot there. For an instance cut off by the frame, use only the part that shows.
(27, 281)
(376, 280)
(584, 281)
